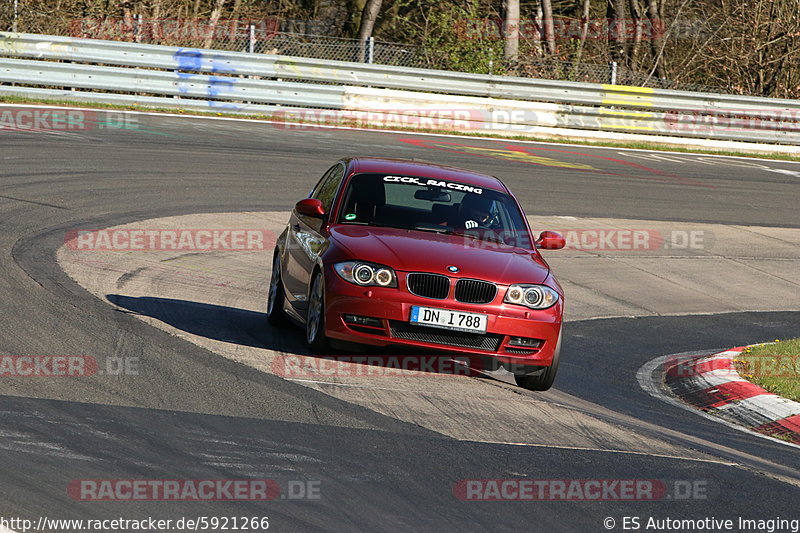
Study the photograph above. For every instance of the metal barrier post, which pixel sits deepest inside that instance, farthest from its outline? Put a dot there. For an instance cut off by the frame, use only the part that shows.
(371, 55)
(137, 28)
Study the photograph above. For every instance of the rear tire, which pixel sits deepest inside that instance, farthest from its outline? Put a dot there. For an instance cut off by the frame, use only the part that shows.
(276, 298)
(541, 378)
(315, 318)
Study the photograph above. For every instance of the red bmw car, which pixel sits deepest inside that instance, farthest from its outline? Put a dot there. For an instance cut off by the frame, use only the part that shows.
(392, 252)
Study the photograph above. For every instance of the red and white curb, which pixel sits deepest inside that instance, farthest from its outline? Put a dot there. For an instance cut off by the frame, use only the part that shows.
(712, 385)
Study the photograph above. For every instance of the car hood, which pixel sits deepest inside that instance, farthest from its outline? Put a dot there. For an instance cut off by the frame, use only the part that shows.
(417, 251)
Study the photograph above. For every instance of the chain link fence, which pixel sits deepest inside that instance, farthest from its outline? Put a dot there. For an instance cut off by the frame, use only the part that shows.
(255, 36)
(263, 36)
(316, 46)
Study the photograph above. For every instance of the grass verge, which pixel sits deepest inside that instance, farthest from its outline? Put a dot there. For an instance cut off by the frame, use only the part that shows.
(641, 145)
(774, 367)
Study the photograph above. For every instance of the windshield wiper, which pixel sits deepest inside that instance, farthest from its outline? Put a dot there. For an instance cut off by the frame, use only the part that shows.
(433, 229)
(488, 236)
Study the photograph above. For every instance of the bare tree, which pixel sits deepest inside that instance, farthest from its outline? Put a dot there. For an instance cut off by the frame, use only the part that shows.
(511, 24)
(538, 35)
(212, 23)
(549, 31)
(656, 36)
(754, 50)
(636, 15)
(615, 11)
(584, 29)
(368, 18)
(355, 9)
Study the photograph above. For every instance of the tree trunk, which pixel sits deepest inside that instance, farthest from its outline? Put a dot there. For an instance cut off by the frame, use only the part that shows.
(656, 36)
(511, 31)
(355, 8)
(636, 15)
(584, 30)
(615, 12)
(549, 32)
(368, 18)
(538, 35)
(129, 25)
(154, 25)
(212, 23)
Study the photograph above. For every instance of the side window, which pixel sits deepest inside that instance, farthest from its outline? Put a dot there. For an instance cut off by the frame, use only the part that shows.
(321, 182)
(325, 190)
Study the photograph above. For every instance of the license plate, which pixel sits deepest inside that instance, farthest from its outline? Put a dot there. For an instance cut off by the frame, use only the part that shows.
(447, 319)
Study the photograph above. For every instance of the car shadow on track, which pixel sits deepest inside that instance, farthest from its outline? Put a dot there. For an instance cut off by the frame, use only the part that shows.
(250, 328)
(218, 322)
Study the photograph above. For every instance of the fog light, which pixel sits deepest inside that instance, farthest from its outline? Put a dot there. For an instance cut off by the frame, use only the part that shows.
(525, 342)
(363, 321)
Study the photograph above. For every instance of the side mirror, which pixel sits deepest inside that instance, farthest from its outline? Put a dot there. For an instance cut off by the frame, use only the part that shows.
(550, 240)
(310, 207)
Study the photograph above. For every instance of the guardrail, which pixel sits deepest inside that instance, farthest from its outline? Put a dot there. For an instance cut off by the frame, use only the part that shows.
(212, 80)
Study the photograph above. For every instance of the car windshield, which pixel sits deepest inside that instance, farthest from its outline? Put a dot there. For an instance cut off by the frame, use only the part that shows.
(433, 205)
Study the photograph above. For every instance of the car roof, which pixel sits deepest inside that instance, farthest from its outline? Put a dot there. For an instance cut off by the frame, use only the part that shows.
(424, 169)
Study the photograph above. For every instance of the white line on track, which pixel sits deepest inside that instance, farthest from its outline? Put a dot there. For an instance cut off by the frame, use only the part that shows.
(343, 384)
(603, 450)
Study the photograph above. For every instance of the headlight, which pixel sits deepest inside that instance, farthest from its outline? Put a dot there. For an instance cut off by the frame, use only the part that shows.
(533, 296)
(366, 274)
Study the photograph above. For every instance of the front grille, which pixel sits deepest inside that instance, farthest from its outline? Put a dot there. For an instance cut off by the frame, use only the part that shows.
(473, 291)
(429, 285)
(488, 342)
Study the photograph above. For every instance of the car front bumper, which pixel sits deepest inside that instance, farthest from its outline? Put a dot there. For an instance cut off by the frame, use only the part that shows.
(392, 308)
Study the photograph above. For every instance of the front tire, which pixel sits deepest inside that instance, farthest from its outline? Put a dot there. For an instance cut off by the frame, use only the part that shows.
(276, 298)
(315, 318)
(542, 378)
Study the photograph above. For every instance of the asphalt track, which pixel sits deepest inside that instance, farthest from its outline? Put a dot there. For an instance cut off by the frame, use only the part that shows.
(193, 414)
